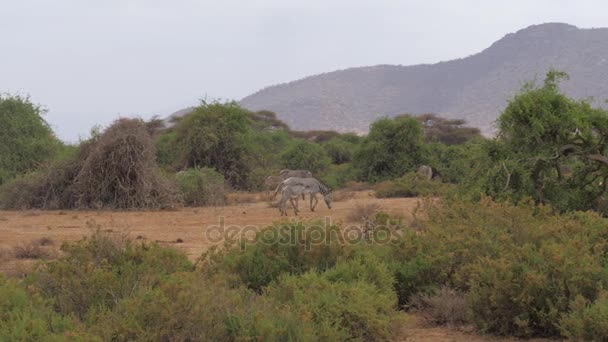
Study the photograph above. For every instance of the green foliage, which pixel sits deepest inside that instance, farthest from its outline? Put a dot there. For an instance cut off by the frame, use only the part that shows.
(340, 150)
(201, 187)
(28, 317)
(446, 131)
(276, 250)
(217, 136)
(340, 310)
(392, 147)
(336, 176)
(521, 266)
(26, 140)
(411, 186)
(97, 272)
(304, 155)
(549, 147)
(586, 322)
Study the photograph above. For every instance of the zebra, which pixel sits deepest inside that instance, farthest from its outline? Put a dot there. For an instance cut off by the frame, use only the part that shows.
(308, 185)
(272, 181)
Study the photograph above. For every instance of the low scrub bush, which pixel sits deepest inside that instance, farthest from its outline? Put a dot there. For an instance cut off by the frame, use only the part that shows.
(201, 187)
(411, 186)
(586, 322)
(36, 249)
(279, 249)
(340, 310)
(521, 266)
(26, 316)
(445, 306)
(98, 271)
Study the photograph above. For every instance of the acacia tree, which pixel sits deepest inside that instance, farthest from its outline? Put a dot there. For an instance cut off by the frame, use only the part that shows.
(392, 148)
(551, 148)
(26, 140)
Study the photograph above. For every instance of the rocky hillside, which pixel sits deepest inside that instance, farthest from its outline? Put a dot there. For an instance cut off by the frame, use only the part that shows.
(474, 88)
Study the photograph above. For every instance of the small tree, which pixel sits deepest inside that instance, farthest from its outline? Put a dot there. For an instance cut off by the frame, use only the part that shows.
(392, 148)
(26, 140)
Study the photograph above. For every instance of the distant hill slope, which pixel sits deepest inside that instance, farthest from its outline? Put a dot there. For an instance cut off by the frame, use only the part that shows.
(475, 88)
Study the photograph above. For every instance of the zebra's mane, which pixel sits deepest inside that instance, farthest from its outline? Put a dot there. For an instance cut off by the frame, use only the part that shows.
(324, 185)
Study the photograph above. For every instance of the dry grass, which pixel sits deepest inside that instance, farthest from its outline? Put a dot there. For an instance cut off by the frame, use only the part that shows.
(245, 197)
(363, 212)
(446, 307)
(31, 250)
(342, 195)
(357, 186)
(6, 254)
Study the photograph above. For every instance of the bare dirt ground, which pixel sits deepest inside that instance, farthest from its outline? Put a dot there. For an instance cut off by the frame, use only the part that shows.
(192, 230)
(187, 229)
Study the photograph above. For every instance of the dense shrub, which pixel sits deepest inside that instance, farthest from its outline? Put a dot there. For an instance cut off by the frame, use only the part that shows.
(99, 271)
(445, 306)
(215, 135)
(279, 249)
(411, 186)
(304, 155)
(202, 187)
(340, 310)
(586, 322)
(188, 307)
(549, 147)
(28, 316)
(392, 147)
(521, 266)
(339, 150)
(26, 140)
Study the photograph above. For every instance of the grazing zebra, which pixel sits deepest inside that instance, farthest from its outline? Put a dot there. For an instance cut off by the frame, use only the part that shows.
(273, 181)
(308, 185)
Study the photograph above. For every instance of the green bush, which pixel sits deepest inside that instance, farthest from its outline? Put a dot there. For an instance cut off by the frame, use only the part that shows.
(27, 316)
(411, 186)
(339, 150)
(26, 140)
(521, 266)
(201, 187)
(188, 307)
(218, 136)
(277, 250)
(97, 272)
(304, 155)
(586, 322)
(392, 147)
(340, 310)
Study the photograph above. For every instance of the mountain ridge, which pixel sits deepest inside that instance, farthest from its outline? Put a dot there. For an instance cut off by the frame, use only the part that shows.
(475, 88)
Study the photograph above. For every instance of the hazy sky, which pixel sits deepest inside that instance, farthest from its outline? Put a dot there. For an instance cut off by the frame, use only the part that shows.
(91, 61)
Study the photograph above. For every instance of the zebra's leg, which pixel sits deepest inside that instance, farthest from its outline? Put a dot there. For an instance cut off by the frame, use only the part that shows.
(294, 204)
(313, 206)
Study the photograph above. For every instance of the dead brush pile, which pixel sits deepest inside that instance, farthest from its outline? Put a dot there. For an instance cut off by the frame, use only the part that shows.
(113, 170)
